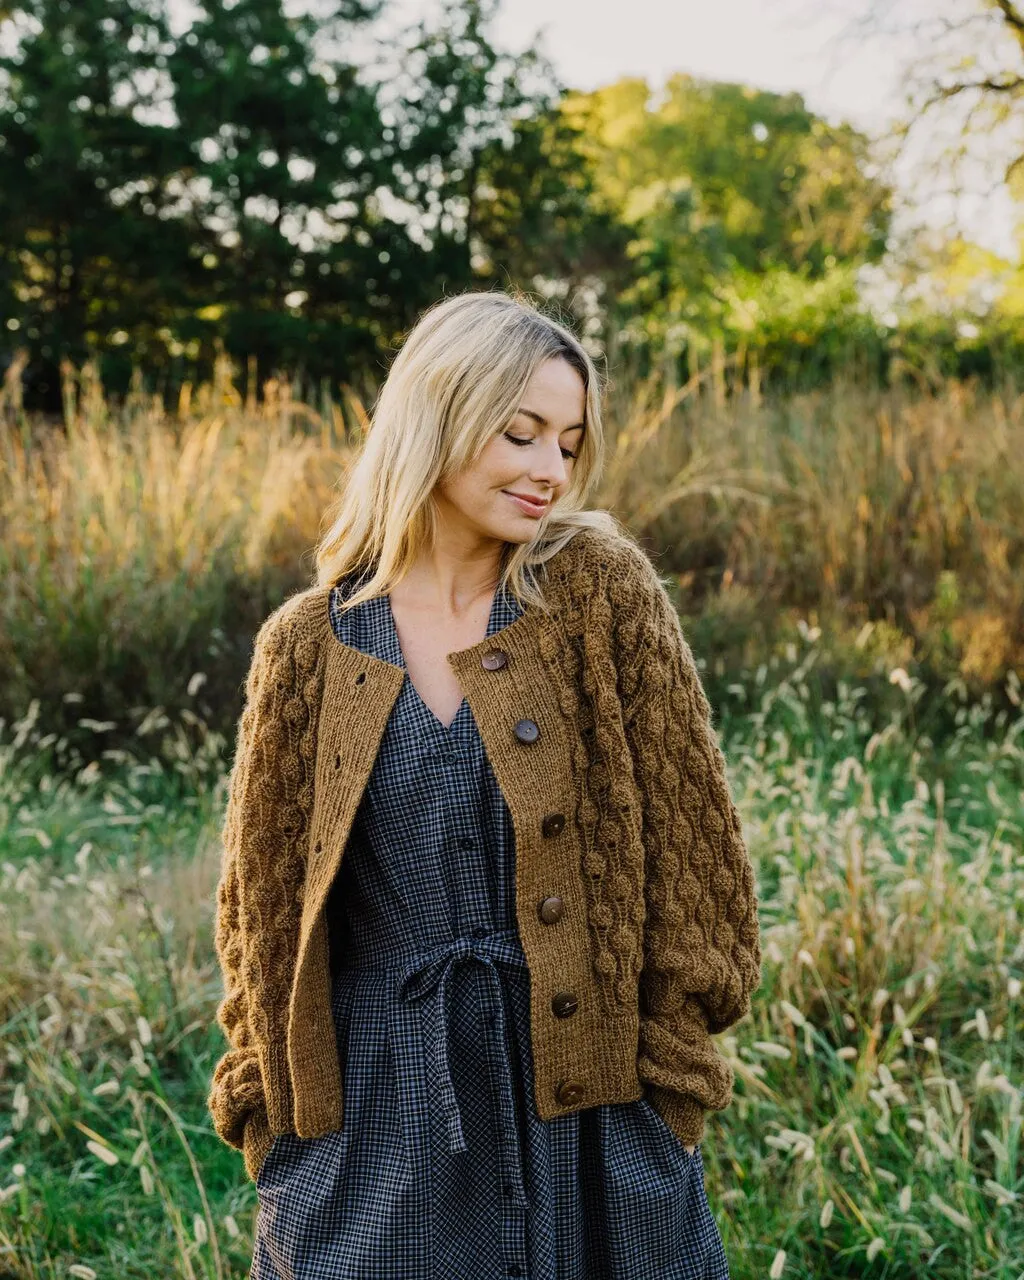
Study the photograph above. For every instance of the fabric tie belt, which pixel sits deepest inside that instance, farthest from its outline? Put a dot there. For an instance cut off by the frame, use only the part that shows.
(430, 975)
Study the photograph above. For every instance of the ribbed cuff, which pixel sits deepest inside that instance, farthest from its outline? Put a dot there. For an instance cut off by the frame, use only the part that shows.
(682, 1112)
(256, 1143)
(280, 1102)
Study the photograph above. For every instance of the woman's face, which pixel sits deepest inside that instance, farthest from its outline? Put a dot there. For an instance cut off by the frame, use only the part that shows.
(533, 457)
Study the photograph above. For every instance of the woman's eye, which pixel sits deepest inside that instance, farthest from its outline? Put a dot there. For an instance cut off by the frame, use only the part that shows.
(566, 453)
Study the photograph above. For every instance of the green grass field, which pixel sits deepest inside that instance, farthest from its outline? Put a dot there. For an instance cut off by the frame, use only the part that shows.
(876, 1126)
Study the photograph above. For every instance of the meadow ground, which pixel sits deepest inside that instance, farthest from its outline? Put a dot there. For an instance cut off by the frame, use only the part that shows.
(876, 1125)
(850, 568)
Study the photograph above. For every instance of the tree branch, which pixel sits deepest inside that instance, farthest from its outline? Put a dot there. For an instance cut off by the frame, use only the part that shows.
(1013, 18)
(944, 92)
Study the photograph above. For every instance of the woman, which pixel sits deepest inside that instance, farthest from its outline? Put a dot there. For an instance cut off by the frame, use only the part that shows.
(485, 897)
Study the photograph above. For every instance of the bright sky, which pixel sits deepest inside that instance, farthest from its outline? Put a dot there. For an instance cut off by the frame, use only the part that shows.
(777, 45)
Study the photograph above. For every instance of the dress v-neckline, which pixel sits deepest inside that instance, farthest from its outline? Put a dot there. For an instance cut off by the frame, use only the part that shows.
(445, 728)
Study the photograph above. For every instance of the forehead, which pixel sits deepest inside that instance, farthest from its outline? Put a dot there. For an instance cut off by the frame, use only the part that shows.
(555, 391)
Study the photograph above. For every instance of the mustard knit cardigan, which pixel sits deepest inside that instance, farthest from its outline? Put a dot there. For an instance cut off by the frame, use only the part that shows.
(659, 937)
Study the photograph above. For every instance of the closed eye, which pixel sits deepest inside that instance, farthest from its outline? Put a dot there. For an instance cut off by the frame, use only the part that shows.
(566, 453)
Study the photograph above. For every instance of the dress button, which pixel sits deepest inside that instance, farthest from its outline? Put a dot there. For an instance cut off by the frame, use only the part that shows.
(480, 931)
(564, 1003)
(553, 824)
(551, 909)
(467, 842)
(569, 1092)
(494, 660)
(526, 731)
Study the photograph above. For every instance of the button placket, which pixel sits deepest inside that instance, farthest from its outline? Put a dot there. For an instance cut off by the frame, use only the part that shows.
(568, 1093)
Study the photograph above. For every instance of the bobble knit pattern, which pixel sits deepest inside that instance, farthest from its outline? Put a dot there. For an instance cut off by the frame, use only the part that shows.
(659, 939)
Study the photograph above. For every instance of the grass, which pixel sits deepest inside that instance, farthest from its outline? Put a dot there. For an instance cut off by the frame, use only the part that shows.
(142, 544)
(850, 563)
(876, 1127)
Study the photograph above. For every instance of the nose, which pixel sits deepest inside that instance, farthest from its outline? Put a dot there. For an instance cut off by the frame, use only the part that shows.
(551, 470)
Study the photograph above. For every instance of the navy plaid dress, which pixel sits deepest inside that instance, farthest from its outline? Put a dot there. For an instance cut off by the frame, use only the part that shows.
(442, 1169)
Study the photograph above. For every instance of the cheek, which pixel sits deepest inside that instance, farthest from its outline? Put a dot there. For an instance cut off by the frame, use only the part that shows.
(501, 459)
(477, 488)
(498, 467)
(497, 470)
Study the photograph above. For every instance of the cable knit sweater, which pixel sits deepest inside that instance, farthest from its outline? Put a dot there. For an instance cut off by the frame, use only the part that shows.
(600, 736)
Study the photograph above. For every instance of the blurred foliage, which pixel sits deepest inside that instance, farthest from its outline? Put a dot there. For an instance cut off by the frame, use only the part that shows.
(739, 202)
(247, 185)
(243, 186)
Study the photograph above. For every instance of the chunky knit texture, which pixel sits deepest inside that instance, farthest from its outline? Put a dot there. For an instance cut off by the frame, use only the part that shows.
(659, 939)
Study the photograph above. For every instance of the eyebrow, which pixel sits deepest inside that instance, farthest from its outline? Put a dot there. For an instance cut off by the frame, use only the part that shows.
(544, 422)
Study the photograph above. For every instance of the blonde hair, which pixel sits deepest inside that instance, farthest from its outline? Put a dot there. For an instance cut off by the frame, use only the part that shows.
(457, 381)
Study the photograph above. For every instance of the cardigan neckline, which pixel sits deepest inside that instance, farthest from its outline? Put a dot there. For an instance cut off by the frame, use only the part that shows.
(510, 632)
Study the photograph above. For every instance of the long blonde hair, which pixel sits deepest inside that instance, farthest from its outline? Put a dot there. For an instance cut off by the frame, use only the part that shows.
(456, 382)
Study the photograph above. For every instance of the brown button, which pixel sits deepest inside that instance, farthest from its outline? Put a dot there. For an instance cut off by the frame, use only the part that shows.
(564, 1003)
(526, 731)
(550, 909)
(553, 824)
(569, 1092)
(494, 660)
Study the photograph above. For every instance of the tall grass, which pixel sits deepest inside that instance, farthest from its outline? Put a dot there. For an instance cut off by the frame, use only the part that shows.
(142, 544)
(139, 548)
(876, 1127)
(897, 509)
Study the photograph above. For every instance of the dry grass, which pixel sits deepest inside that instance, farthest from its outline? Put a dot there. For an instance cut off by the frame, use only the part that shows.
(140, 544)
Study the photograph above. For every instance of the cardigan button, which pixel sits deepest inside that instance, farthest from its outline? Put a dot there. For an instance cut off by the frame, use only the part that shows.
(569, 1092)
(551, 909)
(564, 1003)
(494, 660)
(526, 731)
(553, 824)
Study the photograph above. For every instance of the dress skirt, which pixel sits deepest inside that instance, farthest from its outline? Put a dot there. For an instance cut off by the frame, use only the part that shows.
(442, 1170)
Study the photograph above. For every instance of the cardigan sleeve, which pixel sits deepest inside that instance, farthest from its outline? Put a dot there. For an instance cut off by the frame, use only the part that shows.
(237, 1090)
(702, 954)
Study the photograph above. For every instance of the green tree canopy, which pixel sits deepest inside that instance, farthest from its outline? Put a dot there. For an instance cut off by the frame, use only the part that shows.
(722, 184)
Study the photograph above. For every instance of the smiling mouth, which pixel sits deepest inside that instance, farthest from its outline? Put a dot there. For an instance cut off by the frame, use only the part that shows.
(540, 504)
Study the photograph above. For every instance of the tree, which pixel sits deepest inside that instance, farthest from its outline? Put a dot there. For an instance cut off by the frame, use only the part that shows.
(242, 183)
(285, 148)
(963, 89)
(82, 165)
(502, 189)
(723, 186)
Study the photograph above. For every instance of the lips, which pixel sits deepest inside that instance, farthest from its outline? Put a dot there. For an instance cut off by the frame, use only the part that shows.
(539, 503)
